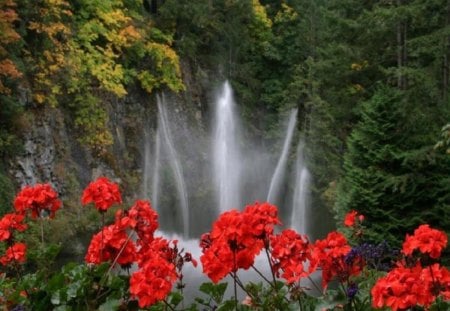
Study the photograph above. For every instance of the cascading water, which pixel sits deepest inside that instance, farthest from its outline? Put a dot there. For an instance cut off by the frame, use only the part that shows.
(299, 215)
(226, 154)
(163, 127)
(279, 173)
(224, 170)
(147, 165)
(156, 167)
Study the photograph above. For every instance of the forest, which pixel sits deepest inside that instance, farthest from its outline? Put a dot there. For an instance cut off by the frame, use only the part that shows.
(370, 82)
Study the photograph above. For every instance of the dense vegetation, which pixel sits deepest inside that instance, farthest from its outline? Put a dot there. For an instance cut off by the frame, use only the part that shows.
(370, 79)
(129, 267)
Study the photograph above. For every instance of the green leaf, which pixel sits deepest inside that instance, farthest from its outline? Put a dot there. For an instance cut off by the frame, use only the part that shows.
(72, 290)
(215, 291)
(228, 305)
(56, 298)
(109, 305)
(331, 300)
(62, 308)
(175, 298)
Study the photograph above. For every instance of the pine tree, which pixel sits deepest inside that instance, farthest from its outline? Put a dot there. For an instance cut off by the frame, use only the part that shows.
(392, 175)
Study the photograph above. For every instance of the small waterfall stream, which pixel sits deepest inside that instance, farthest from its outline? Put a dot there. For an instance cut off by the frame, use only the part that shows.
(163, 126)
(300, 206)
(226, 153)
(279, 173)
(156, 168)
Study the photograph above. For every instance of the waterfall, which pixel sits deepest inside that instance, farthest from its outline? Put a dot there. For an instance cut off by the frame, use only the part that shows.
(226, 153)
(300, 204)
(156, 167)
(193, 175)
(278, 175)
(163, 126)
(147, 165)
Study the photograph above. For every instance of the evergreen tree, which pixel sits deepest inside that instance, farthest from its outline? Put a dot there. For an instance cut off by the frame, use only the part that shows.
(392, 175)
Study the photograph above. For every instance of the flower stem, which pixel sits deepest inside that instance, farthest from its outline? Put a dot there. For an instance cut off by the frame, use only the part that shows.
(314, 284)
(235, 279)
(120, 252)
(42, 232)
(261, 275)
(104, 276)
(103, 225)
(267, 280)
(241, 285)
(434, 283)
(271, 267)
(168, 305)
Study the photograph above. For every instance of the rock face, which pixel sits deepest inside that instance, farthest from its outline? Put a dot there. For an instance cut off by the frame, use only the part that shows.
(52, 153)
(38, 161)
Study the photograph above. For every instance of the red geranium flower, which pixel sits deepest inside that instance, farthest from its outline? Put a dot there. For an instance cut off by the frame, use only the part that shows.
(329, 254)
(235, 240)
(290, 251)
(146, 220)
(426, 240)
(217, 262)
(103, 193)
(405, 287)
(350, 218)
(41, 199)
(158, 246)
(153, 281)
(10, 222)
(111, 244)
(260, 218)
(439, 279)
(14, 253)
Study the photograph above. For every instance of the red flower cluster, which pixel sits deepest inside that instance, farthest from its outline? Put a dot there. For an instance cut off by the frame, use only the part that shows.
(404, 287)
(352, 217)
(329, 254)
(41, 199)
(112, 243)
(144, 220)
(103, 193)
(426, 240)
(14, 253)
(290, 252)
(156, 258)
(154, 280)
(236, 238)
(10, 222)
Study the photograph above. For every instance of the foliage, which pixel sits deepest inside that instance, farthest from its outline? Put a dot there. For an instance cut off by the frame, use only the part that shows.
(8, 37)
(389, 175)
(6, 194)
(232, 245)
(76, 52)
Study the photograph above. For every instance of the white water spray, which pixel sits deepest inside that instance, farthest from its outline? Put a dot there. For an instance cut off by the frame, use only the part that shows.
(278, 175)
(224, 169)
(226, 153)
(174, 162)
(300, 204)
(147, 165)
(156, 167)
